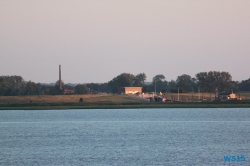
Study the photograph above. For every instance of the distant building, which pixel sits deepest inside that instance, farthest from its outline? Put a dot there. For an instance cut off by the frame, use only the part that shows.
(227, 96)
(68, 91)
(232, 96)
(129, 90)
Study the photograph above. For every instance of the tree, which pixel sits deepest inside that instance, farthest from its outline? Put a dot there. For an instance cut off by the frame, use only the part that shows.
(172, 84)
(184, 82)
(81, 89)
(11, 85)
(159, 82)
(122, 80)
(4, 85)
(140, 79)
(57, 83)
(244, 85)
(31, 88)
(54, 90)
(104, 88)
(208, 82)
(46, 90)
(99, 87)
(159, 78)
(15, 81)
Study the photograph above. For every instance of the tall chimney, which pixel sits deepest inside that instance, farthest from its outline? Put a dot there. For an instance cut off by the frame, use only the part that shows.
(60, 80)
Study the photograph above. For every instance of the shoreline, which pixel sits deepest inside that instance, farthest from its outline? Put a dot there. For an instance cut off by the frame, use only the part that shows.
(108, 101)
(60, 106)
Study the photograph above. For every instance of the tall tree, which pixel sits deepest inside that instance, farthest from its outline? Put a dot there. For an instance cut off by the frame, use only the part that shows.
(31, 88)
(171, 85)
(159, 82)
(122, 80)
(11, 85)
(159, 78)
(15, 81)
(140, 79)
(244, 85)
(209, 81)
(185, 82)
(4, 85)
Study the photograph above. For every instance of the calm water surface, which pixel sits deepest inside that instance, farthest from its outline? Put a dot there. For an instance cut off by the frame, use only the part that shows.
(124, 136)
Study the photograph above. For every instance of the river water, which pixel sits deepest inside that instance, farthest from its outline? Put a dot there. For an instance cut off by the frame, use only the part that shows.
(125, 136)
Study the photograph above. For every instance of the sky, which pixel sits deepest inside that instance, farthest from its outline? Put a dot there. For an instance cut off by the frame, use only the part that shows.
(96, 40)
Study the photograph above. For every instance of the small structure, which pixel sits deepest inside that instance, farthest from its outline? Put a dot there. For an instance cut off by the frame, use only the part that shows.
(68, 91)
(227, 96)
(129, 90)
(232, 96)
(159, 99)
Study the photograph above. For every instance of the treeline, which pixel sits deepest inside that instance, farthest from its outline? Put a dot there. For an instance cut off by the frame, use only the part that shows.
(204, 81)
(16, 86)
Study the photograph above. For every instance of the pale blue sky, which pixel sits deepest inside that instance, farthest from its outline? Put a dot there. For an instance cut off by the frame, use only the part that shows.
(96, 40)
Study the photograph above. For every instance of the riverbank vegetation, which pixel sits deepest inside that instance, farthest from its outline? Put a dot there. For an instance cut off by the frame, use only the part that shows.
(205, 82)
(104, 101)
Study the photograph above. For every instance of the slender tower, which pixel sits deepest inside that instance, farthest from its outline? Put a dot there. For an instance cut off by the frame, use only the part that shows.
(60, 81)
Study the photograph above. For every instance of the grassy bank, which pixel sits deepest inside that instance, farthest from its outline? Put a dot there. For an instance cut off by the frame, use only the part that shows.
(49, 99)
(100, 101)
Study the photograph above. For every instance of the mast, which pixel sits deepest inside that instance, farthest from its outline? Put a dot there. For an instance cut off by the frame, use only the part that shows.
(60, 80)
